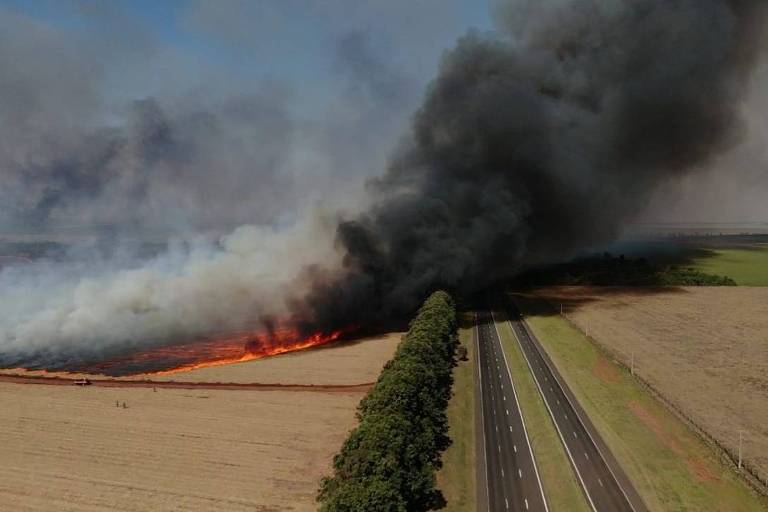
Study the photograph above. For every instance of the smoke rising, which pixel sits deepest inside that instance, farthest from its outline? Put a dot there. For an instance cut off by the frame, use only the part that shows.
(531, 146)
(534, 141)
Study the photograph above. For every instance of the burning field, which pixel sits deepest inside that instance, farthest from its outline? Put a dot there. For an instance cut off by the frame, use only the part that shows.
(218, 351)
(71, 449)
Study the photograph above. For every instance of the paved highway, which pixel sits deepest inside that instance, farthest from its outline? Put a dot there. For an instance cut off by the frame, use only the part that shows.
(512, 479)
(606, 487)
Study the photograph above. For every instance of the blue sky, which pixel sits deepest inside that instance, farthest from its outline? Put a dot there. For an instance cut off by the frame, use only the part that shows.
(285, 40)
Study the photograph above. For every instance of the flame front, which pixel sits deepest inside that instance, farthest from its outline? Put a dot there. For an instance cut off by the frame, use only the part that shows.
(215, 351)
(254, 346)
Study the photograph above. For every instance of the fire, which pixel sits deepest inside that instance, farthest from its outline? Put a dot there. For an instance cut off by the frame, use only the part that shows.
(216, 351)
(278, 343)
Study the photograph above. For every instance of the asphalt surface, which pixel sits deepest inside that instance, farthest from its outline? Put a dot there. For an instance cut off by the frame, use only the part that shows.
(606, 487)
(512, 480)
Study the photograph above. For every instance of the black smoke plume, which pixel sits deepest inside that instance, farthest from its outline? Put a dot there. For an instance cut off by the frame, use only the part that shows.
(541, 141)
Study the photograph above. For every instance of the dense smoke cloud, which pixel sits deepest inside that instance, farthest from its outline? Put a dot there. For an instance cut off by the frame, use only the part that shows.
(532, 146)
(533, 142)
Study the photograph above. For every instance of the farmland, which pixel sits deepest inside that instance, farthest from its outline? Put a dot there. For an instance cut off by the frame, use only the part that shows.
(78, 449)
(748, 266)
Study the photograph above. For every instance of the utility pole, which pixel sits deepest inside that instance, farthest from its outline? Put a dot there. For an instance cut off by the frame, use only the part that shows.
(741, 436)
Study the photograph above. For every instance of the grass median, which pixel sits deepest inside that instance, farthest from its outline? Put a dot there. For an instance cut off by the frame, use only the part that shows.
(671, 467)
(557, 477)
(457, 476)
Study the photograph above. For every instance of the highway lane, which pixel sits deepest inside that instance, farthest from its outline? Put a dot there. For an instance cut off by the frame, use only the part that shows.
(512, 478)
(606, 487)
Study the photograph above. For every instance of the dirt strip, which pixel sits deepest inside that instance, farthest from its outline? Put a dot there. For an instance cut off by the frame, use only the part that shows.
(255, 386)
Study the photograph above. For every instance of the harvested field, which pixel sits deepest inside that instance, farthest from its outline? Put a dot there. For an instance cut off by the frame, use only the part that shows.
(705, 349)
(69, 448)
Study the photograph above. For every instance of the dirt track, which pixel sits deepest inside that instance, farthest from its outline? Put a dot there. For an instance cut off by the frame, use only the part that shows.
(112, 383)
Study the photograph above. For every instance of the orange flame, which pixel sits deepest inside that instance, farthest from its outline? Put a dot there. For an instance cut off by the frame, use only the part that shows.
(279, 343)
(232, 348)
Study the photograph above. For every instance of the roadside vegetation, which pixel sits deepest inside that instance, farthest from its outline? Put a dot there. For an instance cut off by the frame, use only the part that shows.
(672, 468)
(389, 462)
(457, 478)
(557, 476)
(608, 270)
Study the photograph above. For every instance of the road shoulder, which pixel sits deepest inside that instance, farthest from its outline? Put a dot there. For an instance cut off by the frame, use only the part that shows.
(459, 476)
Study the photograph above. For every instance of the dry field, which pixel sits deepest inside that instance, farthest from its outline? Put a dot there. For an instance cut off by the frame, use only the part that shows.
(704, 348)
(67, 448)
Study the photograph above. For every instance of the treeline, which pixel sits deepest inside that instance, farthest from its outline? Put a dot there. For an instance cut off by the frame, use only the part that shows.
(608, 270)
(389, 462)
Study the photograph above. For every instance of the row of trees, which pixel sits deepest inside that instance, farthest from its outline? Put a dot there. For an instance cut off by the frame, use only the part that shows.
(389, 462)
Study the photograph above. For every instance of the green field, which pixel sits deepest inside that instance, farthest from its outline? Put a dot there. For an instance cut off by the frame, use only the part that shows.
(457, 476)
(748, 266)
(558, 479)
(672, 468)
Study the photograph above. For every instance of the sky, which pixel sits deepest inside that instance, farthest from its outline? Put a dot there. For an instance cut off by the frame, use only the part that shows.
(291, 41)
(305, 97)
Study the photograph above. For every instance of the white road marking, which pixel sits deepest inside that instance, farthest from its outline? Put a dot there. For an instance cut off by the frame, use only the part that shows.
(600, 482)
(522, 419)
(554, 420)
(506, 502)
(510, 428)
(499, 447)
(507, 411)
(520, 473)
(587, 456)
(502, 472)
(514, 447)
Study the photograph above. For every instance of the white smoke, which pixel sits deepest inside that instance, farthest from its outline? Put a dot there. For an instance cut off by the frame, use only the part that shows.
(194, 288)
